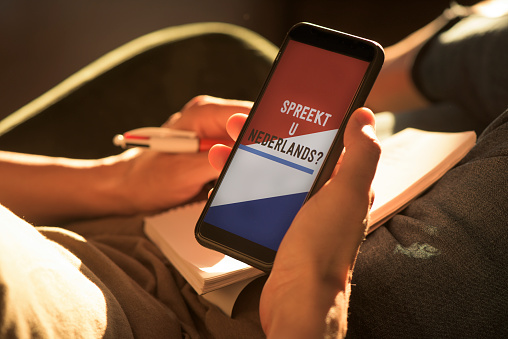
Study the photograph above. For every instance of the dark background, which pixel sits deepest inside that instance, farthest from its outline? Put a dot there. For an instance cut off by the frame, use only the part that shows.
(43, 42)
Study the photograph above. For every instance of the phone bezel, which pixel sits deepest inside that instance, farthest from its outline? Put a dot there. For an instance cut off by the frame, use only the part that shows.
(243, 249)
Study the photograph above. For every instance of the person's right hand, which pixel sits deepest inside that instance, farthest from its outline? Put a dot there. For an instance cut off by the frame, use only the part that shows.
(313, 263)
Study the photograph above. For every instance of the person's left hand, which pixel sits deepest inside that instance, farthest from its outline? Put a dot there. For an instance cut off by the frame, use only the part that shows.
(152, 180)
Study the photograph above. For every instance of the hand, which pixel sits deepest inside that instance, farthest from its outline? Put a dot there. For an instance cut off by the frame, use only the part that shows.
(153, 180)
(313, 264)
(49, 190)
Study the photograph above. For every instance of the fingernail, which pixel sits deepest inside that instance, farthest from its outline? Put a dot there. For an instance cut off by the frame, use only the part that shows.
(367, 123)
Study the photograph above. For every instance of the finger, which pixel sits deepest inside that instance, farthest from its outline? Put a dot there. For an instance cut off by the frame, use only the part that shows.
(172, 120)
(203, 100)
(362, 118)
(198, 168)
(218, 155)
(337, 165)
(351, 187)
(235, 124)
(347, 197)
(207, 116)
(362, 151)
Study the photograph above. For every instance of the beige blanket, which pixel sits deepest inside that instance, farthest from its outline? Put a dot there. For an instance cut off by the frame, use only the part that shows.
(156, 300)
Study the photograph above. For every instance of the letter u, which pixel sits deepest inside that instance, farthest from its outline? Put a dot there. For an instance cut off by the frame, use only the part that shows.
(293, 128)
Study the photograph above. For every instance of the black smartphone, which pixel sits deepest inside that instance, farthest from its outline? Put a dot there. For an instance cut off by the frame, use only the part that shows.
(290, 142)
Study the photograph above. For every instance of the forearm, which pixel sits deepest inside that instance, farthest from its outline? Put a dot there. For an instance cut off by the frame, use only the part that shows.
(394, 89)
(46, 190)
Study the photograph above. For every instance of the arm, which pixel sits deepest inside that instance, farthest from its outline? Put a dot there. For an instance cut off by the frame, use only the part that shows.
(32, 186)
(394, 89)
(311, 273)
(47, 190)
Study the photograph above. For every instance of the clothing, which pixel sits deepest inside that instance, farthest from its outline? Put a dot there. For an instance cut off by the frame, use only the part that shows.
(439, 268)
(436, 269)
(120, 285)
(114, 284)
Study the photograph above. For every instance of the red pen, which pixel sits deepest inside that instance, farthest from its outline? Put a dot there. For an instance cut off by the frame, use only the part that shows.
(166, 140)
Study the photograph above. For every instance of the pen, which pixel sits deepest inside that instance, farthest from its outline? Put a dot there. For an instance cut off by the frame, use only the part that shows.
(166, 140)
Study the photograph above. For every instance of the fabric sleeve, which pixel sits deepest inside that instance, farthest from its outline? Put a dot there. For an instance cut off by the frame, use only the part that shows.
(466, 65)
(47, 292)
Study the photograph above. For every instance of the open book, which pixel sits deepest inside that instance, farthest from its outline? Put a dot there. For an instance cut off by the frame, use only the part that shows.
(411, 161)
(218, 277)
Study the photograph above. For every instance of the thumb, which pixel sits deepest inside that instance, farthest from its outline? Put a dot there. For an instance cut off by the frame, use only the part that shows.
(347, 196)
(362, 151)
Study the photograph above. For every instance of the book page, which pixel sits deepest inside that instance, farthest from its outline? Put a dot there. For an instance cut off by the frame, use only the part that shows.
(204, 269)
(177, 227)
(182, 239)
(225, 297)
(410, 162)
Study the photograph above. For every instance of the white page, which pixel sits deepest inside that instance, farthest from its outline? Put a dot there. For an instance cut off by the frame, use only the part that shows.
(410, 162)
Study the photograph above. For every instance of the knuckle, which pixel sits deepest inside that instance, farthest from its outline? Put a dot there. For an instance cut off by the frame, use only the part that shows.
(372, 147)
(197, 101)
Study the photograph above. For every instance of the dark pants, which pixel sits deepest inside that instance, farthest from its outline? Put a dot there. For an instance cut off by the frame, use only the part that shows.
(439, 268)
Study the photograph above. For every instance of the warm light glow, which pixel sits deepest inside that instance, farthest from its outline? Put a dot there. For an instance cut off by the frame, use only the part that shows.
(493, 9)
(225, 265)
(46, 287)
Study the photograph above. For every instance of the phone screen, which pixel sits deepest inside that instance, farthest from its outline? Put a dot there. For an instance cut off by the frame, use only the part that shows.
(285, 143)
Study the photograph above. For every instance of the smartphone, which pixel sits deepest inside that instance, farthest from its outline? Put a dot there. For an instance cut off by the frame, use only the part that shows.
(290, 142)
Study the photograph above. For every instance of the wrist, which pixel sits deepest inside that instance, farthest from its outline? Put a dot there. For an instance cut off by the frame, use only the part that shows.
(94, 188)
(113, 185)
(303, 306)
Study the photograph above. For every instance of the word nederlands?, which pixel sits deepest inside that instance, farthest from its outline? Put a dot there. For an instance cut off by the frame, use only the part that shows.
(305, 112)
(281, 145)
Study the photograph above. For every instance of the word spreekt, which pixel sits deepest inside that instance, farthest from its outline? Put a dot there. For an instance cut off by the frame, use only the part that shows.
(305, 112)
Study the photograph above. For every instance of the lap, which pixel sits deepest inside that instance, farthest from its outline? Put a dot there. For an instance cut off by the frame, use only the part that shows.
(438, 268)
